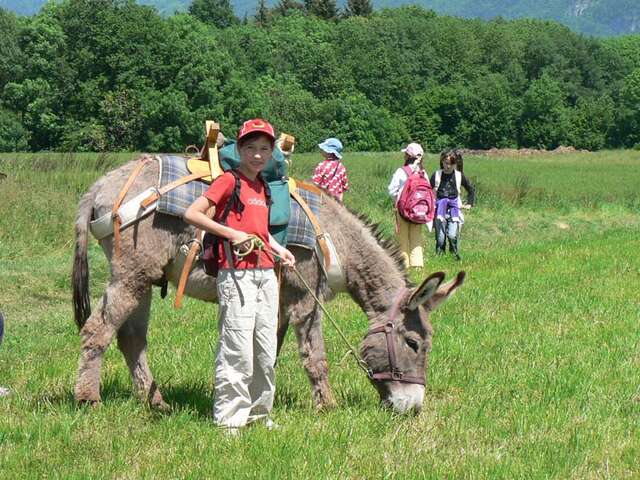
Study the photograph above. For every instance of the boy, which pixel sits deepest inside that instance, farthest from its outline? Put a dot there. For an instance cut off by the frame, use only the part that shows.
(246, 283)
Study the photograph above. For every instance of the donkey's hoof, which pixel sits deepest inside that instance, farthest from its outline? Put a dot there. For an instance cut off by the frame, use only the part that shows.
(326, 405)
(87, 398)
(156, 402)
(92, 403)
(160, 406)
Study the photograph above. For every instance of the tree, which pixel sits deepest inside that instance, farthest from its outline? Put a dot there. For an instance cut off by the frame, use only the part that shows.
(263, 14)
(358, 8)
(544, 121)
(9, 49)
(628, 121)
(326, 9)
(285, 8)
(490, 114)
(592, 122)
(120, 115)
(214, 12)
(13, 136)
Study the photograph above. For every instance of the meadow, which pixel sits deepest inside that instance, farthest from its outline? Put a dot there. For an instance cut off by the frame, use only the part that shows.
(533, 372)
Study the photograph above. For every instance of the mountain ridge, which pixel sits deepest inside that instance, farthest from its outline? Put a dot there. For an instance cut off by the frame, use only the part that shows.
(591, 17)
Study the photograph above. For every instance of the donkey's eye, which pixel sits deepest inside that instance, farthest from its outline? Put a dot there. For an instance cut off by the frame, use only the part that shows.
(413, 345)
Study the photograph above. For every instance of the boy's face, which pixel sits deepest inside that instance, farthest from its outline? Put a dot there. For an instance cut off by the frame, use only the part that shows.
(254, 154)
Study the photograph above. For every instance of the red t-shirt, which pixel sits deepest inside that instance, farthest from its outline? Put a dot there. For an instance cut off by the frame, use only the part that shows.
(253, 220)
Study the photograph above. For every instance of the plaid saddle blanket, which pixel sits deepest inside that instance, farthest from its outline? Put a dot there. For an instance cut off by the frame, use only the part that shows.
(300, 231)
(176, 201)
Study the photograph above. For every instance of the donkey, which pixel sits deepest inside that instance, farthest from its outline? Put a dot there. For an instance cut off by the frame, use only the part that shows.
(395, 349)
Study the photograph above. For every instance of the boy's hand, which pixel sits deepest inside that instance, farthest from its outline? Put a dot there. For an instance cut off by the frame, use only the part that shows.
(466, 206)
(287, 258)
(239, 237)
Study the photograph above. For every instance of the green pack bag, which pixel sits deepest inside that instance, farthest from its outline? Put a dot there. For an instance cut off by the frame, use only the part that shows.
(275, 174)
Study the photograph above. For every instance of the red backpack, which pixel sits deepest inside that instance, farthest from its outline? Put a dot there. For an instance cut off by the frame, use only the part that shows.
(416, 203)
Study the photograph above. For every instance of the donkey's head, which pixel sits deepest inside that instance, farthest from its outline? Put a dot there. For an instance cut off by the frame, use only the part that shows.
(396, 350)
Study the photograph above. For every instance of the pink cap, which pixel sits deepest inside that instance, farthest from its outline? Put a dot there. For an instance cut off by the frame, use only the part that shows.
(256, 125)
(413, 150)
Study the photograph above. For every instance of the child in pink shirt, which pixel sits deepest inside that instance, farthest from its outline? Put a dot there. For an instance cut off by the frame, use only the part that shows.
(331, 174)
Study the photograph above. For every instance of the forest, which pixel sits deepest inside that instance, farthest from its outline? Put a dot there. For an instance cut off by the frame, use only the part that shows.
(592, 17)
(112, 75)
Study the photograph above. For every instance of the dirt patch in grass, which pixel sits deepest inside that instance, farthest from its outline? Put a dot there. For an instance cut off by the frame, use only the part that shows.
(519, 152)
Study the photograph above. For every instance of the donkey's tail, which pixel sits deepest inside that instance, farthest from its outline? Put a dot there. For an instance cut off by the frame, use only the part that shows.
(80, 275)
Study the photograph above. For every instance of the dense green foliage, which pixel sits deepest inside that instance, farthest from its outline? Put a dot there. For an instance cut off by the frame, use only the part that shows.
(114, 75)
(593, 17)
(533, 372)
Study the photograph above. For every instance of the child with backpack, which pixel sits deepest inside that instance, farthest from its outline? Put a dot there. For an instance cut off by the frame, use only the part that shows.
(447, 183)
(414, 201)
(246, 282)
(331, 174)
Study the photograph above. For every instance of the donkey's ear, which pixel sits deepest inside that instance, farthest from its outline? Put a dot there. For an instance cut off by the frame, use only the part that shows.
(445, 291)
(425, 290)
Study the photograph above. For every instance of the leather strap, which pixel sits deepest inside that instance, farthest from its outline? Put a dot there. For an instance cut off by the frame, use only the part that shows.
(170, 186)
(310, 187)
(316, 227)
(194, 250)
(117, 221)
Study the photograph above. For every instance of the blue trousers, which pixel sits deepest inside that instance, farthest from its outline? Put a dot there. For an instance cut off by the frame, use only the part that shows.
(447, 230)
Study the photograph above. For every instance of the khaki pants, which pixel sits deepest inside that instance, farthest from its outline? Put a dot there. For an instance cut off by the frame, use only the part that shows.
(247, 323)
(410, 240)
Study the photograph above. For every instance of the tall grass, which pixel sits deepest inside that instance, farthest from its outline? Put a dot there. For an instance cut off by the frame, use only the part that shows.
(533, 374)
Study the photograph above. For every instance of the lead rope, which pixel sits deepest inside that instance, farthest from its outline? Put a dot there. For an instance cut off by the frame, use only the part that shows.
(361, 363)
(256, 243)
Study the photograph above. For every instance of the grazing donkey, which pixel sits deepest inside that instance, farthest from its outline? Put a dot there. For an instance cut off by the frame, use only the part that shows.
(395, 349)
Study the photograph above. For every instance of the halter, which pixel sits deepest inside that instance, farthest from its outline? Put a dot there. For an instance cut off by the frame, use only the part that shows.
(389, 330)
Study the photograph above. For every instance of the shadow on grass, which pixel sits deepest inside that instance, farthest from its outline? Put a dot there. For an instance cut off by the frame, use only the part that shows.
(189, 397)
(64, 398)
(289, 398)
(196, 398)
(186, 397)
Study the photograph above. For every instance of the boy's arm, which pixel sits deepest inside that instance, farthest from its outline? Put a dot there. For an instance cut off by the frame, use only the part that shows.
(196, 215)
(285, 255)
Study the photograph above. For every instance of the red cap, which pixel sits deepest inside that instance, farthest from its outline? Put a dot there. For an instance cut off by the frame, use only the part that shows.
(256, 125)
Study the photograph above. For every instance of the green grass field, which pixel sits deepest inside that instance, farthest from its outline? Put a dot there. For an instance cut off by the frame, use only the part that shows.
(534, 368)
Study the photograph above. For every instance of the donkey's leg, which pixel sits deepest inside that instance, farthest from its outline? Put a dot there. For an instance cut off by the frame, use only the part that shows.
(283, 320)
(120, 301)
(305, 317)
(132, 342)
(314, 357)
